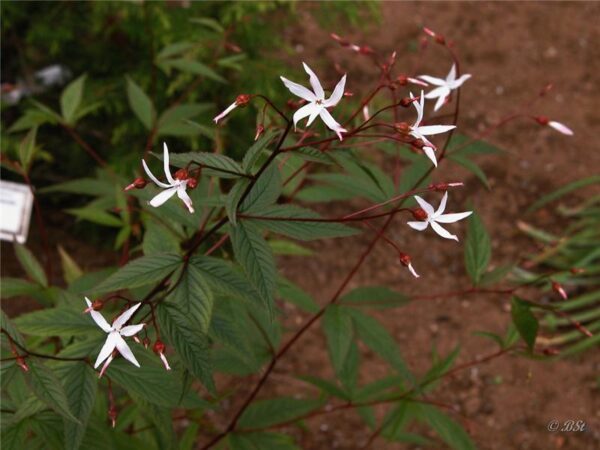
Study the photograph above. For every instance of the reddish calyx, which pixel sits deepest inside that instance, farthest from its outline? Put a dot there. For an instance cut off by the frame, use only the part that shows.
(419, 214)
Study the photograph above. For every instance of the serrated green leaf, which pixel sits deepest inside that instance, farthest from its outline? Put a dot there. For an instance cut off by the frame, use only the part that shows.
(337, 325)
(194, 67)
(220, 165)
(471, 167)
(450, 431)
(47, 387)
(190, 343)
(265, 191)
(159, 239)
(173, 119)
(96, 215)
(55, 322)
(326, 386)
(14, 287)
(266, 413)
(30, 264)
(569, 187)
(233, 199)
(261, 441)
(141, 271)
(375, 296)
(141, 104)
(80, 386)
(12, 331)
(71, 270)
(253, 153)
(478, 249)
(193, 297)
(256, 258)
(295, 295)
(70, 99)
(524, 320)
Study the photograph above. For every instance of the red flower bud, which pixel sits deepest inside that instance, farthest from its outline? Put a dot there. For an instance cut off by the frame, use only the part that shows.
(158, 347)
(542, 120)
(112, 415)
(419, 214)
(402, 127)
(339, 39)
(404, 259)
(192, 183)
(22, 364)
(181, 174)
(557, 287)
(146, 342)
(260, 129)
(242, 100)
(402, 80)
(365, 50)
(405, 102)
(443, 187)
(138, 183)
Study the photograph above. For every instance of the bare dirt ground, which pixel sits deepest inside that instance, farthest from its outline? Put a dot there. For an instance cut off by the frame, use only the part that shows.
(512, 50)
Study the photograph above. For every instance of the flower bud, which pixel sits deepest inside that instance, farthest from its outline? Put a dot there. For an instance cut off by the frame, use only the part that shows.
(402, 127)
(96, 305)
(404, 259)
(138, 183)
(438, 37)
(419, 143)
(557, 287)
(260, 129)
(402, 80)
(146, 342)
(242, 100)
(181, 174)
(158, 347)
(443, 187)
(405, 102)
(112, 415)
(22, 364)
(542, 120)
(365, 50)
(340, 40)
(192, 183)
(419, 214)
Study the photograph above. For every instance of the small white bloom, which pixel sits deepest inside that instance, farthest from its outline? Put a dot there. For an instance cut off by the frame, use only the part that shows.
(434, 218)
(317, 104)
(419, 132)
(561, 128)
(444, 87)
(225, 112)
(412, 270)
(174, 186)
(115, 336)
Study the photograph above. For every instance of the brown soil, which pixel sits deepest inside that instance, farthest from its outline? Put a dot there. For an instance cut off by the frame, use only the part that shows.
(512, 50)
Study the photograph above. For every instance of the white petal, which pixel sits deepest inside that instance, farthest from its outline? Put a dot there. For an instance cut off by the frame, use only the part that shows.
(458, 83)
(152, 177)
(430, 153)
(98, 318)
(435, 129)
(303, 112)
(185, 198)
(561, 128)
(299, 90)
(314, 82)
(440, 102)
(164, 360)
(451, 218)
(433, 80)
(423, 204)
(107, 348)
(331, 123)
(412, 270)
(130, 330)
(417, 81)
(166, 164)
(441, 91)
(123, 318)
(419, 106)
(224, 113)
(337, 93)
(126, 352)
(419, 226)
(451, 75)
(442, 231)
(442, 206)
(163, 197)
(105, 366)
(314, 115)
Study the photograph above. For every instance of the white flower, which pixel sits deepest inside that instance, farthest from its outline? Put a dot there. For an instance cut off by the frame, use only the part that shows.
(317, 105)
(115, 336)
(174, 185)
(420, 132)
(444, 86)
(434, 218)
(561, 128)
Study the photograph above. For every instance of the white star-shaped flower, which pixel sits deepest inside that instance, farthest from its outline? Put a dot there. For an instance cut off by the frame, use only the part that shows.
(420, 132)
(317, 104)
(115, 336)
(444, 87)
(174, 185)
(434, 218)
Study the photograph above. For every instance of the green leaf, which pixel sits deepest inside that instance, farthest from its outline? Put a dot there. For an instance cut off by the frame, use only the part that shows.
(193, 297)
(194, 67)
(190, 342)
(337, 325)
(293, 294)
(27, 148)
(141, 271)
(314, 155)
(48, 388)
(220, 165)
(71, 99)
(8, 326)
(141, 104)
(71, 270)
(80, 386)
(253, 153)
(30, 264)
(96, 215)
(375, 296)
(261, 441)
(524, 320)
(326, 386)
(471, 167)
(256, 258)
(173, 120)
(14, 287)
(265, 191)
(570, 187)
(233, 199)
(159, 239)
(55, 322)
(266, 413)
(478, 249)
(450, 431)
(290, 248)
(302, 229)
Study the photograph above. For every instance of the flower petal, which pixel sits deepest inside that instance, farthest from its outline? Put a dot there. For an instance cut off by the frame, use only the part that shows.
(303, 112)
(153, 178)
(163, 197)
(442, 206)
(130, 330)
(430, 153)
(314, 82)
(123, 318)
(182, 194)
(98, 318)
(442, 231)
(426, 206)
(440, 102)
(435, 129)
(419, 226)
(451, 218)
(107, 348)
(458, 83)
(166, 164)
(413, 271)
(125, 351)
(560, 128)
(299, 90)
(337, 93)
(441, 91)
(433, 80)
(451, 75)
(224, 113)
(331, 123)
